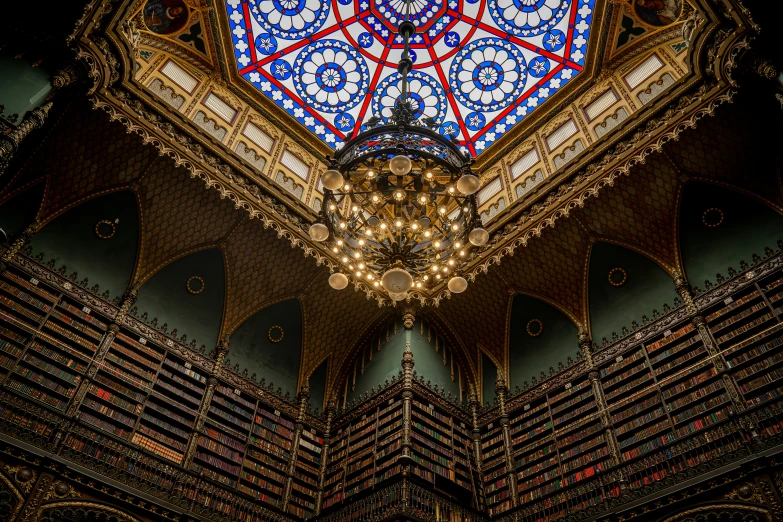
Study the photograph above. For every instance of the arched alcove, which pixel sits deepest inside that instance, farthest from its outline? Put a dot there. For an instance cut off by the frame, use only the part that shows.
(489, 375)
(540, 337)
(97, 239)
(720, 227)
(269, 344)
(429, 359)
(19, 211)
(623, 286)
(23, 86)
(187, 294)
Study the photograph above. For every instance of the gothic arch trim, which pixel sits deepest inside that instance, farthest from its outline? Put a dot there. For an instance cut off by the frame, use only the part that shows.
(11, 487)
(699, 513)
(118, 514)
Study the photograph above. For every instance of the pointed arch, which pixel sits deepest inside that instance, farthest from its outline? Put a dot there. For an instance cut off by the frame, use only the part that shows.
(70, 509)
(746, 227)
(637, 285)
(19, 208)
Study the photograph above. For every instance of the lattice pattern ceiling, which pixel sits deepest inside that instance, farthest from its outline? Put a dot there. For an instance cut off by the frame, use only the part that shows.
(480, 66)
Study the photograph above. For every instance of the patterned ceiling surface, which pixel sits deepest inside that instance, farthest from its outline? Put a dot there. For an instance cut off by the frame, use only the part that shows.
(480, 66)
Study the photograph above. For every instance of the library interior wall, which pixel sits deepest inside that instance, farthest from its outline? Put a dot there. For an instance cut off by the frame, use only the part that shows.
(489, 374)
(165, 296)
(387, 361)
(70, 240)
(317, 384)
(647, 287)
(277, 362)
(23, 87)
(529, 355)
(748, 227)
(19, 211)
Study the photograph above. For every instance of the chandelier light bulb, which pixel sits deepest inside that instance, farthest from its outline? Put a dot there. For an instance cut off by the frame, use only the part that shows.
(468, 184)
(426, 277)
(435, 268)
(429, 175)
(437, 277)
(383, 226)
(418, 285)
(376, 283)
(462, 253)
(361, 265)
(368, 232)
(451, 262)
(338, 281)
(414, 226)
(398, 223)
(427, 233)
(465, 210)
(478, 236)
(399, 195)
(343, 224)
(397, 280)
(442, 210)
(457, 284)
(339, 242)
(335, 250)
(400, 165)
(332, 207)
(369, 276)
(358, 273)
(357, 255)
(345, 259)
(375, 198)
(458, 245)
(454, 227)
(451, 190)
(332, 179)
(370, 174)
(355, 208)
(436, 244)
(347, 187)
(361, 242)
(319, 232)
(423, 200)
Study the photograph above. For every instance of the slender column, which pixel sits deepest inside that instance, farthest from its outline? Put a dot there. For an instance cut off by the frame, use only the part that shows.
(407, 397)
(684, 289)
(220, 352)
(586, 347)
(10, 142)
(303, 397)
(501, 391)
(103, 347)
(475, 434)
(331, 408)
(18, 244)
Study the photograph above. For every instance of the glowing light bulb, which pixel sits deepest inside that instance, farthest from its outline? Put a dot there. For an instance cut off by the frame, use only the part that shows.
(429, 175)
(451, 190)
(465, 210)
(437, 276)
(368, 232)
(399, 195)
(347, 187)
(454, 227)
(398, 223)
(332, 206)
(375, 198)
(339, 242)
(335, 250)
(457, 245)
(361, 265)
(442, 210)
(426, 277)
(369, 276)
(435, 268)
(370, 174)
(358, 273)
(383, 226)
(357, 255)
(376, 283)
(345, 259)
(451, 262)
(427, 233)
(462, 253)
(355, 208)
(418, 285)
(445, 270)
(415, 226)
(423, 200)
(436, 244)
(343, 224)
(361, 242)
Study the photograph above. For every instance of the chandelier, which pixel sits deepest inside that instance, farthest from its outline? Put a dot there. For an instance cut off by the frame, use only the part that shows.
(399, 204)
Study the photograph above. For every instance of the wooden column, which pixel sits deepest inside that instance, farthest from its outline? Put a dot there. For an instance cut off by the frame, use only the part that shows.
(18, 244)
(303, 398)
(331, 408)
(475, 435)
(586, 347)
(501, 391)
(407, 397)
(10, 142)
(684, 289)
(219, 354)
(103, 347)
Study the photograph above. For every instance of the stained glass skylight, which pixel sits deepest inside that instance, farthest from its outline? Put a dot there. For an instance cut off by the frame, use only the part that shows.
(480, 66)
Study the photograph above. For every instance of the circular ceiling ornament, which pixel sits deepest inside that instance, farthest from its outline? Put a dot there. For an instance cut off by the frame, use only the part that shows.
(527, 17)
(165, 17)
(534, 327)
(290, 19)
(275, 334)
(617, 277)
(712, 217)
(195, 285)
(332, 76)
(424, 93)
(105, 229)
(488, 72)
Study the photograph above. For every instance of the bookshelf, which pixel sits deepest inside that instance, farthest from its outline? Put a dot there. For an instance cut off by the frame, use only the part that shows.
(304, 485)
(495, 470)
(270, 443)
